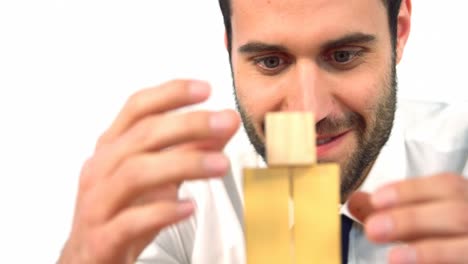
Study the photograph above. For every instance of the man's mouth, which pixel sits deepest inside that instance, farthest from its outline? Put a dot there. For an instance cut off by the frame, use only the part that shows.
(326, 143)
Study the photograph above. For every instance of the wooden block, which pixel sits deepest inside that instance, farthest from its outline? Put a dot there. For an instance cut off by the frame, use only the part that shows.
(294, 185)
(290, 138)
(266, 216)
(316, 214)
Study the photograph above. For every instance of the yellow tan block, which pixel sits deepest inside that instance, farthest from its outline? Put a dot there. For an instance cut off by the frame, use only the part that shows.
(317, 220)
(290, 138)
(266, 216)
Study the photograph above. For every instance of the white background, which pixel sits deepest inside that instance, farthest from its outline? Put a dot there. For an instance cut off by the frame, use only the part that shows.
(66, 67)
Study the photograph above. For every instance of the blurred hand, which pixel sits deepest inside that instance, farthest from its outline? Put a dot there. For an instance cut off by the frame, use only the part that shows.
(429, 215)
(128, 188)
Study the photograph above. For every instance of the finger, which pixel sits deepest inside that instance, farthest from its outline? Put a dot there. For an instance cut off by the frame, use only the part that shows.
(442, 219)
(360, 206)
(168, 96)
(165, 192)
(163, 132)
(139, 223)
(207, 145)
(86, 180)
(214, 144)
(443, 186)
(143, 173)
(443, 250)
(174, 129)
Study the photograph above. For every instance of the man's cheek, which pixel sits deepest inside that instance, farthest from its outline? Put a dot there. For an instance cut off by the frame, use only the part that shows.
(350, 146)
(360, 90)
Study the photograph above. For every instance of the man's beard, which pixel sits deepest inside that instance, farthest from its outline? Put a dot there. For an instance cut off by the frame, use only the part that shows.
(371, 135)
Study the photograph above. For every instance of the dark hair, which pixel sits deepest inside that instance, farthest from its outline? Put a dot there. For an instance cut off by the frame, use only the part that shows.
(393, 8)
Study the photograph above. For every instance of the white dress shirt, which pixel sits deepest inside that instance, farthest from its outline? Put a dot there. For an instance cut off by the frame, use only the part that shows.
(427, 138)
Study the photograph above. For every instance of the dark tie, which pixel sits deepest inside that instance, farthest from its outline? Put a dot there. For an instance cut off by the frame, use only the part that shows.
(346, 224)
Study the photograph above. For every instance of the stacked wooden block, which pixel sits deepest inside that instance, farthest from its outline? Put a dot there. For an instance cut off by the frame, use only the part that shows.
(291, 208)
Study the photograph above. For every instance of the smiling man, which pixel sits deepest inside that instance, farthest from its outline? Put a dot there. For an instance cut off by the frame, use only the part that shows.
(294, 56)
(405, 199)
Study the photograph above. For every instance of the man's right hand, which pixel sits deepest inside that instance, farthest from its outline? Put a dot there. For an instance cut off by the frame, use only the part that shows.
(128, 188)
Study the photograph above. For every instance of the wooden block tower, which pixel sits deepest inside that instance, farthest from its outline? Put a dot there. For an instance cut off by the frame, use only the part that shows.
(291, 209)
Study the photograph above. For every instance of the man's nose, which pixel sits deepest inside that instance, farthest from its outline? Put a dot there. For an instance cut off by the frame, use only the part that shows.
(308, 91)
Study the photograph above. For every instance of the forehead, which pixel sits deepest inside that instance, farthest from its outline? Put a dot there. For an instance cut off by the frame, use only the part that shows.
(276, 19)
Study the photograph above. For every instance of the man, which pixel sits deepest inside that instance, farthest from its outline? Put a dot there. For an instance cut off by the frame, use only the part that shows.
(335, 58)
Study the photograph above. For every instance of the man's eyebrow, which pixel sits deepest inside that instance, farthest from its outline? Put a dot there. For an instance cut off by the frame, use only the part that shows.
(257, 47)
(353, 38)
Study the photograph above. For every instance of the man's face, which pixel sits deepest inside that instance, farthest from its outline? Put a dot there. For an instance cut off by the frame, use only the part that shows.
(331, 57)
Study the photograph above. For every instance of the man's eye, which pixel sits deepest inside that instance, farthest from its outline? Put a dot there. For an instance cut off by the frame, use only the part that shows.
(343, 56)
(270, 62)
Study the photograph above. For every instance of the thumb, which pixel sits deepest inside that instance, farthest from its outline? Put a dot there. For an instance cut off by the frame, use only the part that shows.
(360, 206)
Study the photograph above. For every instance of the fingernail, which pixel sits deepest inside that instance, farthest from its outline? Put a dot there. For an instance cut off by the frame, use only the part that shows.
(216, 164)
(380, 227)
(403, 255)
(384, 197)
(198, 89)
(219, 122)
(185, 208)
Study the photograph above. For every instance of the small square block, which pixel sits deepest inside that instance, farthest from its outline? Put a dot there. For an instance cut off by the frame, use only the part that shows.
(290, 139)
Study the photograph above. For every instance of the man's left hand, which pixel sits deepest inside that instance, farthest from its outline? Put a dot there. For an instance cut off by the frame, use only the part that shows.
(429, 215)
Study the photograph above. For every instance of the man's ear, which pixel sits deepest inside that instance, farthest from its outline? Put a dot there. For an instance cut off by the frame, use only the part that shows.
(404, 27)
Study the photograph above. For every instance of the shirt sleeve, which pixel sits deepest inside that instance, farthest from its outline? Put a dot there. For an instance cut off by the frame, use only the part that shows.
(173, 245)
